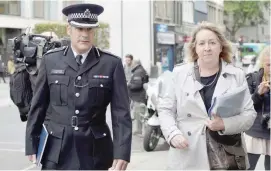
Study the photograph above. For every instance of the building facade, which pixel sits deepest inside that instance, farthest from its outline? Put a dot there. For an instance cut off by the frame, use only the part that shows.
(200, 11)
(164, 33)
(153, 31)
(173, 24)
(216, 12)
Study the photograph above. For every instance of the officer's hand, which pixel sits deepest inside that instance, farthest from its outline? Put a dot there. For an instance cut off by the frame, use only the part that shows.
(32, 158)
(216, 123)
(263, 87)
(119, 164)
(179, 141)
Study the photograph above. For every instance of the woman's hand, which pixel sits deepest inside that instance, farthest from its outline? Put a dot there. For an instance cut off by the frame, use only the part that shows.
(179, 141)
(216, 123)
(263, 87)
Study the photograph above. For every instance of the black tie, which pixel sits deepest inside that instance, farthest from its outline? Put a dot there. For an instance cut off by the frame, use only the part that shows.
(78, 59)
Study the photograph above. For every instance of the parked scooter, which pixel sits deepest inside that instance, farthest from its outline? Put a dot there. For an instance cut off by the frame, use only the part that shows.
(153, 132)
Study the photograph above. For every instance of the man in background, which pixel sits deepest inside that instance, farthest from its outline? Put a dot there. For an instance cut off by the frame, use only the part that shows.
(137, 93)
(128, 66)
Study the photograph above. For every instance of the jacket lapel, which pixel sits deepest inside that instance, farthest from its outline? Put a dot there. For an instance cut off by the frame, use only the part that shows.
(70, 59)
(91, 60)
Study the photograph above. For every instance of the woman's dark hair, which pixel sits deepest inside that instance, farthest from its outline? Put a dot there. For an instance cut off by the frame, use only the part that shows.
(129, 56)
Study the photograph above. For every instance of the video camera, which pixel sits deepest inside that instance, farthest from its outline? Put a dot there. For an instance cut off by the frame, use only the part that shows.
(27, 48)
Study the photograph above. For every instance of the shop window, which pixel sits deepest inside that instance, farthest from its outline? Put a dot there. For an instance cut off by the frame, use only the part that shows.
(10, 7)
(169, 9)
(38, 9)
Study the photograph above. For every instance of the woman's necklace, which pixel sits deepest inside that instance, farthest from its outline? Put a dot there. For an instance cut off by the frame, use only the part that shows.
(207, 85)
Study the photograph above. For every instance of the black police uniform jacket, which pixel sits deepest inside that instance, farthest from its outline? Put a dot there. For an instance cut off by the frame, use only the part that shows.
(71, 101)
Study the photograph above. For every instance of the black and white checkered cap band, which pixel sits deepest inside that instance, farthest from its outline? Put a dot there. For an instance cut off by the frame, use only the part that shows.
(72, 16)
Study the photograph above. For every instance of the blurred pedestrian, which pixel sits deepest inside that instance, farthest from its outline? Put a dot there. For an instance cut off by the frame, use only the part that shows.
(137, 94)
(2, 72)
(258, 136)
(198, 139)
(128, 66)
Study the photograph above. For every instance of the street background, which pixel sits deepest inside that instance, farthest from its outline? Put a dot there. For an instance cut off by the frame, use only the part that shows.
(156, 32)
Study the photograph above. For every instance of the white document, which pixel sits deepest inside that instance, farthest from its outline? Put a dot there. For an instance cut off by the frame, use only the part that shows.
(229, 104)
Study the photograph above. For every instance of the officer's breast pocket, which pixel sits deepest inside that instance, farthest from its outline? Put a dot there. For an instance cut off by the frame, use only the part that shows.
(59, 89)
(100, 91)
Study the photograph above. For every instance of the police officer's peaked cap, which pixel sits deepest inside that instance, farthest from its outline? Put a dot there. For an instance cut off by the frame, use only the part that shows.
(83, 15)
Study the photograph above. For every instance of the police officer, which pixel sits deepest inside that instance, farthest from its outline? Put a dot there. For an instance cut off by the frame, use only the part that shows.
(74, 86)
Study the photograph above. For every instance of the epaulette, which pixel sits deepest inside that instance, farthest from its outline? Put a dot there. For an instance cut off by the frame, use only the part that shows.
(55, 50)
(106, 52)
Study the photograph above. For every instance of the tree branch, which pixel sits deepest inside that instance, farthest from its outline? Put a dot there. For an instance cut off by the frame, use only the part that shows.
(228, 29)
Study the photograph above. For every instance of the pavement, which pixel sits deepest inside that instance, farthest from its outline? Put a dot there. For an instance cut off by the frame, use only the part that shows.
(12, 132)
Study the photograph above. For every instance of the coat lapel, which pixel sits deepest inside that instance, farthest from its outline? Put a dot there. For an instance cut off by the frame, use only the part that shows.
(196, 87)
(197, 95)
(91, 60)
(70, 59)
(223, 84)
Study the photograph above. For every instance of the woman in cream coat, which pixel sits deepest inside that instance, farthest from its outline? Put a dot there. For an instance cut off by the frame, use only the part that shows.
(182, 111)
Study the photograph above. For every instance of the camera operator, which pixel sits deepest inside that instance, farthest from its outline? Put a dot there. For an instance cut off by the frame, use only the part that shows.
(28, 51)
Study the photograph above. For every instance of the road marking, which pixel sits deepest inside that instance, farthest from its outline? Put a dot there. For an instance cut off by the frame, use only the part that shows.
(12, 150)
(13, 143)
(137, 151)
(30, 167)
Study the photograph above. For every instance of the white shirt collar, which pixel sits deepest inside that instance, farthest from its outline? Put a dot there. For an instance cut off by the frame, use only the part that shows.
(84, 55)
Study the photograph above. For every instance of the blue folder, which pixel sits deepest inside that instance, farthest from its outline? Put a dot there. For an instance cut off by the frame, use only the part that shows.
(42, 144)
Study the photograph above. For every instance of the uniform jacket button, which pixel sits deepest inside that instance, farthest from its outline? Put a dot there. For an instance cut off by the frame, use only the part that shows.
(101, 85)
(104, 134)
(56, 81)
(79, 78)
(77, 94)
(76, 111)
(189, 133)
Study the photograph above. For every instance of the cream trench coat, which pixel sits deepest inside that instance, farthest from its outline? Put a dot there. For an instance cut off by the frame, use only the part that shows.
(182, 111)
